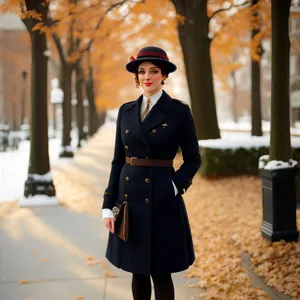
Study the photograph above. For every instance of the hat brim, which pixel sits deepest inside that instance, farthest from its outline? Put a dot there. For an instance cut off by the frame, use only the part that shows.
(134, 64)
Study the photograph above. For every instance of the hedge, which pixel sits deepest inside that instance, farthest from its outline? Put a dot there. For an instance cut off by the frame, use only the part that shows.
(230, 162)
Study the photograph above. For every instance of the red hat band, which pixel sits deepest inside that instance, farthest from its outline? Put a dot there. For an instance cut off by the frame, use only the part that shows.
(156, 54)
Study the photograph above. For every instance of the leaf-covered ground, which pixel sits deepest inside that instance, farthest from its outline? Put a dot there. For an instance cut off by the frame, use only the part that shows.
(225, 216)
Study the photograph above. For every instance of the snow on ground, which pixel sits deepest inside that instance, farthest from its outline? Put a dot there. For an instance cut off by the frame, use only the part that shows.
(14, 164)
(239, 140)
(14, 168)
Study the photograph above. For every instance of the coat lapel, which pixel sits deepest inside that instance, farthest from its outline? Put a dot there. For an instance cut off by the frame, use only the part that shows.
(133, 119)
(158, 113)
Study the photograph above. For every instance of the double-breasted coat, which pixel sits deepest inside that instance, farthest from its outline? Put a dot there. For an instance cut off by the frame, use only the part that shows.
(160, 239)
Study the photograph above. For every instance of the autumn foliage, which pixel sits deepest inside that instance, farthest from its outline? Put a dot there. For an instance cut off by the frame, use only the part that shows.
(115, 36)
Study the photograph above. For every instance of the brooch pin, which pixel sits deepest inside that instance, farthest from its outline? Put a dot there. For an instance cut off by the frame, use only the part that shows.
(164, 125)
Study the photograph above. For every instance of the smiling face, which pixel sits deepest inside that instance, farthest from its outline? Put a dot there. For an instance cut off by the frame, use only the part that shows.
(150, 78)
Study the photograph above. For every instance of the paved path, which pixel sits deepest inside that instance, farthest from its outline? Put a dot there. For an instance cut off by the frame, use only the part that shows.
(55, 253)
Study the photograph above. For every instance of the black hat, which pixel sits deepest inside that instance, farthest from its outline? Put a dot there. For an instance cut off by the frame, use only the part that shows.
(152, 54)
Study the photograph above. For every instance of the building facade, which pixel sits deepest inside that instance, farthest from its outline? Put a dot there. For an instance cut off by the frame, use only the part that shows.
(15, 64)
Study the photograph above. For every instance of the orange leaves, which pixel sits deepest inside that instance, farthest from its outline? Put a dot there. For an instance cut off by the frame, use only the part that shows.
(233, 216)
(24, 282)
(12, 6)
(31, 14)
(4, 8)
(34, 281)
(232, 42)
(181, 19)
(230, 226)
(255, 48)
(90, 258)
(38, 26)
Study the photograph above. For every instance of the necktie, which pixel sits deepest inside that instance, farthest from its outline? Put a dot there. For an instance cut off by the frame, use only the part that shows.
(146, 111)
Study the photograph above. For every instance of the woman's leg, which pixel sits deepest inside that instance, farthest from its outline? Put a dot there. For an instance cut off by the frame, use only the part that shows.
(163, 286)
(141, 287)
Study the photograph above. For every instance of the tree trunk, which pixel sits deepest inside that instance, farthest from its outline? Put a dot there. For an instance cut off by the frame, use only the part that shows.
(280, 148)
(195, 43)
(39, 157)
(79, 106)
(255, 99)
(54, 119)
(102, 117)
(234, 108)
(93, 119)
(255, 86)
(67, 109)
(23, 103)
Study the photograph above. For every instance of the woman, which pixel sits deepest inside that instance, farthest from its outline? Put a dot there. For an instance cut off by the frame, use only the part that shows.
(149, 132)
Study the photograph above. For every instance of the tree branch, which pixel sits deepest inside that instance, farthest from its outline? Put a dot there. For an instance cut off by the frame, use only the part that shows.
(71, 37)
(59, 47)
(88, 47)
(25, 21)
(228, 8)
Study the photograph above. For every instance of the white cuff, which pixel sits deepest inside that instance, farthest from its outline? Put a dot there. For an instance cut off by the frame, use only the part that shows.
(107, 213)
(175, 188)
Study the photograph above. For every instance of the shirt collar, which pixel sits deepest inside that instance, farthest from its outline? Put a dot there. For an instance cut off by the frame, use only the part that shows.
(153, 98)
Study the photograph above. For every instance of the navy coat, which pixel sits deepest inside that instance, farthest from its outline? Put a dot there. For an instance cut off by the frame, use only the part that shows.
(160, 239)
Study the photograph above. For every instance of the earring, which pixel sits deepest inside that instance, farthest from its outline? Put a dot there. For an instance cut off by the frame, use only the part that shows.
(162, 83)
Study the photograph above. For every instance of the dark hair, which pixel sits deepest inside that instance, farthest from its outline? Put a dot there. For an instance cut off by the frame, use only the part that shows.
(159, 65)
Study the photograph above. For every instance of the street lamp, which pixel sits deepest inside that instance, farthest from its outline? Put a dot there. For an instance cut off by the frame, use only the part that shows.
(23, 103)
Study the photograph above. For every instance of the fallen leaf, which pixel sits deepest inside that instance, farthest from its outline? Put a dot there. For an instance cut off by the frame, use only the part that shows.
(89, 257)
(110, 274)
(24, 282)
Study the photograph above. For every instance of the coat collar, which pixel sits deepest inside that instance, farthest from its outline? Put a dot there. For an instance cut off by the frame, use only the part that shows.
(158, 113)
(156, 116)
(133, 119)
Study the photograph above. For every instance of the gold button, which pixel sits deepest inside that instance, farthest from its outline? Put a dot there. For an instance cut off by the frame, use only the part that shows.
(127, 178)
(153, 130)
(126, 147)
(147, 200)
(147, 180)
(126, 131)
(126, 195)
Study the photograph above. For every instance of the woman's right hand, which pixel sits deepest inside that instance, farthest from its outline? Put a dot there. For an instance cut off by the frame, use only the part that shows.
(110, 224)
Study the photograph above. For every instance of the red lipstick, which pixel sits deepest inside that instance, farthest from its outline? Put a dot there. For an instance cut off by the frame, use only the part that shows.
(148, 84)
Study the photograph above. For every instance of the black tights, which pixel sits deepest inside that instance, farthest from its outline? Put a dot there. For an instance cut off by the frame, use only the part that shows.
(163, 287)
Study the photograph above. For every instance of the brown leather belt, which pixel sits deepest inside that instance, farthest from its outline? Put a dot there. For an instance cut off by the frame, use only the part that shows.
(147, 162)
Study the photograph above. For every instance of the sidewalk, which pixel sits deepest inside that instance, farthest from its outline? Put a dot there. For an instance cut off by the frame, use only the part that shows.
(57, 253)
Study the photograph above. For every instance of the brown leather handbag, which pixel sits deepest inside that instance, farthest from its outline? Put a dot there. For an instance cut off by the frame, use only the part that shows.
(120, 211)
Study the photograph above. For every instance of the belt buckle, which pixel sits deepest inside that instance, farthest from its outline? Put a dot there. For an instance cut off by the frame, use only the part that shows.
(132, 160)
